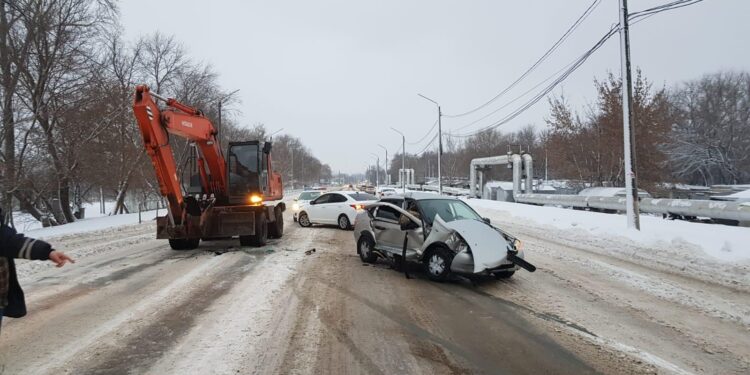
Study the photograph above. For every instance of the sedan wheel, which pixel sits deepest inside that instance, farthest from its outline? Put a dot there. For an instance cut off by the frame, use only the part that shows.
(343, 222)
(438, 264)
(364, 248)
(304, 220)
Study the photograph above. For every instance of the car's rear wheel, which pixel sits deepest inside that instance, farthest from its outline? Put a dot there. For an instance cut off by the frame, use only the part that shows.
(344, 222)
(304, 220)
(365, 247)
(438, 264)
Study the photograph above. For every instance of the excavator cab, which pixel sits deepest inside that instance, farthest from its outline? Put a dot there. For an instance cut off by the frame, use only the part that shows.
(248, 172)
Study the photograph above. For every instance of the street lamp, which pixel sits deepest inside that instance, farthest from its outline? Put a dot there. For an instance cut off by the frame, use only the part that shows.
(387, 175)
(440, 144)
(221, 100)
(377, 170)
(403, 159)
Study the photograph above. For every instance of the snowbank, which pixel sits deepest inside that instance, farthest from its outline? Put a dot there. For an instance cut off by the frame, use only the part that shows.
(720, 242)
(91, 224)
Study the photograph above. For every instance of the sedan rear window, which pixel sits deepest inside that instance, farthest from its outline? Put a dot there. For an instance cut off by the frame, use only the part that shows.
(363, 197)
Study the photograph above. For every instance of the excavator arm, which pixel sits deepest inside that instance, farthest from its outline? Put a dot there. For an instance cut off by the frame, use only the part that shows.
(187, 122)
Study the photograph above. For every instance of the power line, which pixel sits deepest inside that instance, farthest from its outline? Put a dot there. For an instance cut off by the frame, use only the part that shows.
(562, 39)
(516, 98)
(425, 136)
(574, 66)
(638, 16)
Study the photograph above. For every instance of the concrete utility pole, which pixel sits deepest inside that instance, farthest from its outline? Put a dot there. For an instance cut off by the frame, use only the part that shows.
(221, 100)
(291, 151)
(387, 175)
(403, 160)
(377, 170)
(631, 182)
(440, 145)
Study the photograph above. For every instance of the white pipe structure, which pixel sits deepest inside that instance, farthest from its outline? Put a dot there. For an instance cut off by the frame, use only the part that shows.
(515, 160)
(684, 207)
(528, 167)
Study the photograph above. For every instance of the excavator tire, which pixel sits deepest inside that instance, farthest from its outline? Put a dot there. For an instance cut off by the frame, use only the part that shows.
(260, 238)
(276, 228)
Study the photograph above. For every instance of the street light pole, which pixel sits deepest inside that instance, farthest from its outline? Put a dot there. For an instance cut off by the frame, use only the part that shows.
(401, 176)
(291, 151)
(385, 167)
(440, 145)
(631, 183)
(377, 171)
(221, 100)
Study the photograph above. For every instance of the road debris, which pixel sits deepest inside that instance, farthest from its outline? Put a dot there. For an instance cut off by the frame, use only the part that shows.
(308, 252)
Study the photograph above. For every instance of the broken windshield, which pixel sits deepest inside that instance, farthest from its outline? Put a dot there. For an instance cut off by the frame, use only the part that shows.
(448, 209)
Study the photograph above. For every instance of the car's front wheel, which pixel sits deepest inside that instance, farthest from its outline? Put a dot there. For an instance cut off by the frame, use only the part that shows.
(365, 247)
(438, 264)
(304, 220)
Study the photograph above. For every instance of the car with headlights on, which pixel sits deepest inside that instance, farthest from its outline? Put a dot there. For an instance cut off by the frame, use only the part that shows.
(302, 199)
(339, 208)
(444, 234)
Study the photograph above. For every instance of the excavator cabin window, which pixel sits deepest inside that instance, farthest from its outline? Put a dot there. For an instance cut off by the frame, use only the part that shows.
(244, 170)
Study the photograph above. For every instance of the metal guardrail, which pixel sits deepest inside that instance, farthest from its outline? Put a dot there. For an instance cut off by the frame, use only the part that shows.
(683, 207)
(446, 189)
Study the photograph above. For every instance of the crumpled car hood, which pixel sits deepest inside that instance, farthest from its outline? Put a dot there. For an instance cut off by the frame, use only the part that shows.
(488, 247)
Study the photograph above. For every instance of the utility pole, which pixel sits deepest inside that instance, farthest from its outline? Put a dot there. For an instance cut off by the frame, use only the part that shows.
(385, 167)
(440, 145)
(377, 170)
(631, 182)
(402, 175)
(221, 100)
(291, 150)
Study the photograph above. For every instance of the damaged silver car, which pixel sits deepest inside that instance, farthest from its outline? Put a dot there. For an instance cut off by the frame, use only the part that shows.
(444, 234)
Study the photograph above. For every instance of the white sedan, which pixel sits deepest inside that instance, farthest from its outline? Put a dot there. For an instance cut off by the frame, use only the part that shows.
(339, 208)
(304, 198)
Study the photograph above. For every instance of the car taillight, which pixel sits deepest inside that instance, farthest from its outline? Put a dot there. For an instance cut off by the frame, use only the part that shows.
(358, 207)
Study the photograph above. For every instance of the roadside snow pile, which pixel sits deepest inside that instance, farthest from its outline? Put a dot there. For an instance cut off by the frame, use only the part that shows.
(720, 242)
(91, 224)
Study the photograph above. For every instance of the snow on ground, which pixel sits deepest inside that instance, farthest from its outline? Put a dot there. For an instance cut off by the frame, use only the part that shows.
(91, 224)
(719, 242)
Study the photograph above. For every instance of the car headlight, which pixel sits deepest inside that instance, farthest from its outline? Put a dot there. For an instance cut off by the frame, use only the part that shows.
(295, 207)
(518, 245)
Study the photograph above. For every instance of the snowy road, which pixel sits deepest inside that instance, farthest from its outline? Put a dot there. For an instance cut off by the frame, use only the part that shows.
(131, 305)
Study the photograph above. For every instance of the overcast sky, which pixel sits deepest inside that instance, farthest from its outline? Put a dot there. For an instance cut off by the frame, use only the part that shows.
(339, 74)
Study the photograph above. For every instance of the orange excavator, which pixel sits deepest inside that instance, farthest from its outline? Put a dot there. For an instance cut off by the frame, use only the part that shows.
(237, 196)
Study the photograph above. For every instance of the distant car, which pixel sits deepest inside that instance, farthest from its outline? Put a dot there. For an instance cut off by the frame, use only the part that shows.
(370, 189)
(444, 234)
(304, 198)
(338, 208)
(384, 192)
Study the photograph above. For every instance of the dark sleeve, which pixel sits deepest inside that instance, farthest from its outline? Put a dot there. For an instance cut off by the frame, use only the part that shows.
(16, 245)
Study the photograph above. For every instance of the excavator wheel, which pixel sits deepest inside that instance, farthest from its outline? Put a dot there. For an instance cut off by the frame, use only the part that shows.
(260, 238)
(276, 229)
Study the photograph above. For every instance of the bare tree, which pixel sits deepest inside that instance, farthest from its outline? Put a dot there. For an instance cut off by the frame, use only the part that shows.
(711, 138)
